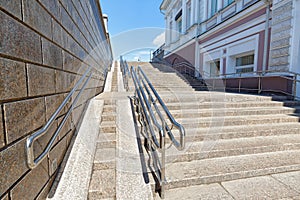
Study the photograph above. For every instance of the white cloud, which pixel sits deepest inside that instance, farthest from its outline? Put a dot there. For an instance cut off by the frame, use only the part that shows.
(159, 40)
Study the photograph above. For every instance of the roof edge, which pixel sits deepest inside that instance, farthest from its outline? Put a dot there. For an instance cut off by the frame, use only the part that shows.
(164, 4)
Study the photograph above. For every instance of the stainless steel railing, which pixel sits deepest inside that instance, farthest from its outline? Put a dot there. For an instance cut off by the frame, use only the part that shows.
(125, 72)
(32, 162)
(212, 81)
(153, 122)
(260, 76)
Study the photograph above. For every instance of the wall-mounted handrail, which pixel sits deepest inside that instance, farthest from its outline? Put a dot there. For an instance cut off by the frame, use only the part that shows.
(32, 162)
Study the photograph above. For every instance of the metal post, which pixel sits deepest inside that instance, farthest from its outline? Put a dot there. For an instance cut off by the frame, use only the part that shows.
(295, 86)
(240, 84)
(163, 164)
(259, 82)
(225, 83)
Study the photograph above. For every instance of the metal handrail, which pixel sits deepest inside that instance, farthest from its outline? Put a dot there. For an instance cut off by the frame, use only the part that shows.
(179, 145)
(141, 83)
(32, 162)
(141, 95)
(125, 72)
(292, 76)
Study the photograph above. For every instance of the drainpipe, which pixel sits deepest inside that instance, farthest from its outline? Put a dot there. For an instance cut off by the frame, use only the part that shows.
(266, 42)
(197, 53)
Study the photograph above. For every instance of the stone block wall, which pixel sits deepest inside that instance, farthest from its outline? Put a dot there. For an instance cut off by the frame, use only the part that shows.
(281, 33)
(45, 47)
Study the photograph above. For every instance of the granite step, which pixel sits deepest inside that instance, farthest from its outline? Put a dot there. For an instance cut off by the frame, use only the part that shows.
(102, 184)
(108, 127)
(206, 96)
(230, 132)
(236, 120)
(233, 147)
(108, 117)
(109, 109)
(192, 113)
(177, 105)
(110, 102)
(221, 169)
(105, 158)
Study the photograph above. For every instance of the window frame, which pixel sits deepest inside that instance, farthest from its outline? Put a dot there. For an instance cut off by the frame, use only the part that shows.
(188, 14)
(239, 68)
(217, 68)
(213, 9)
(227, 3)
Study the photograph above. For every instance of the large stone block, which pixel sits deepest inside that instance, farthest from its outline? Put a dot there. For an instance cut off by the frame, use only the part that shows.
(41, 143)
(12, 79)
(73, 64)
(12, 6)
(280, 43)
(276, 61)
(44, 193)
(282, 9)
(41, 80)
(67, 21)
(57, 33)
(23, 117)
(77, 114)
(280, 52)
(30, 186)
(37, 17)
(56, 155)
(2, 143)
(65, 81)
(281, 34)
(23, 43)
(52, 54)
(66, 128)
(52, 104)
(53, 7)
(12, 165)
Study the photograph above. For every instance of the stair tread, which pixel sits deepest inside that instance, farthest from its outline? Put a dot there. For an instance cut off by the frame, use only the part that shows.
(242, 145)
(230, 110)
(245, 128)
(240, 166)
(240, 118)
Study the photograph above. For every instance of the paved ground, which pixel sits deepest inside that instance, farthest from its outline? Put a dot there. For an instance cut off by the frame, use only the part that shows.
(277, 186)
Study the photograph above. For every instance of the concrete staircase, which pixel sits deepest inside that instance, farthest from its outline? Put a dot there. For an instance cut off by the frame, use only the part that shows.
(103, 179)
(232, 139)
(197, 84)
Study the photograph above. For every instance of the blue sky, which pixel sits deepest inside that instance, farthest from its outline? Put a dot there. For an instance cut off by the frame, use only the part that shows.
(136, 27)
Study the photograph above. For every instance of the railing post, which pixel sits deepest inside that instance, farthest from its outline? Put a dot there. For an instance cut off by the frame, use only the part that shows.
(295, 87)
(225, 83)
(163, 165)
(240, 80)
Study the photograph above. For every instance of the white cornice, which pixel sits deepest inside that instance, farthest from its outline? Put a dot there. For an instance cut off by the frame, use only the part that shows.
(164, 5)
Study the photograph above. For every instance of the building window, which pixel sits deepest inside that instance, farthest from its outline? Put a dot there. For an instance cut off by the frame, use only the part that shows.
(214, 68)
(171, 32)
(227, 2)
(244, 64)
(188, 14)
(179, 24)
(178, 21)
(213, 7)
